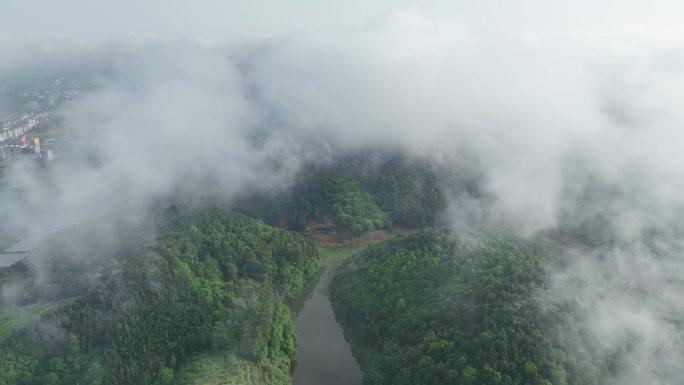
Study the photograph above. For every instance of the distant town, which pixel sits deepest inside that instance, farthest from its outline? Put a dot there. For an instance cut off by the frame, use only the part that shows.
(28, 110)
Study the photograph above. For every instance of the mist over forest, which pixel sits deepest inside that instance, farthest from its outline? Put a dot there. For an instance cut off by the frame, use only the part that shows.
(508, 194)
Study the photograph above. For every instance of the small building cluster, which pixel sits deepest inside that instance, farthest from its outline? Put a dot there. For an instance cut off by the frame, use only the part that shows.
(16, 128)
(13, 136)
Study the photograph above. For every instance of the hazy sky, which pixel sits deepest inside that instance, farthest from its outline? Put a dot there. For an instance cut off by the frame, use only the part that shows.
(229, 17)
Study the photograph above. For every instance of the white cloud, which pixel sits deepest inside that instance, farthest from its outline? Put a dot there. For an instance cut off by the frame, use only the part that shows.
(549, 113)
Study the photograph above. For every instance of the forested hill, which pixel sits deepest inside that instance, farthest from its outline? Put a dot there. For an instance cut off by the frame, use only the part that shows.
(363, 192)
(210, 289)
(427, 309)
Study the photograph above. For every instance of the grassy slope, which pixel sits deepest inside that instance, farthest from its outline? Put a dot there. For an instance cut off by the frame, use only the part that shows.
(336, 254)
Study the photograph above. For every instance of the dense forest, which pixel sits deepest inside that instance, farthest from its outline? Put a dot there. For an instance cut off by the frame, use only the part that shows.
(200, 298)
(360, 193)
(427, 308)
(209, 289)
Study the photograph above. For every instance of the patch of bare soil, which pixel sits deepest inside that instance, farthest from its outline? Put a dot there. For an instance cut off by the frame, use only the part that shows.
(370, 238)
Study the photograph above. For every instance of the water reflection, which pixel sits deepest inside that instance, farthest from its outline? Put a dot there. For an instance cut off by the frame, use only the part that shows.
(323, 355)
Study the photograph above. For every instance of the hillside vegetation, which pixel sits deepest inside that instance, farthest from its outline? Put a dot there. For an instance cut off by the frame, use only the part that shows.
(359, 193)
(425, 308)
(210, 288)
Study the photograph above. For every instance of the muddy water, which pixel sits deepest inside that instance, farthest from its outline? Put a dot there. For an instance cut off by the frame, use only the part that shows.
(323, 355)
